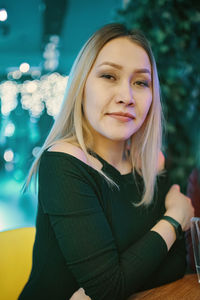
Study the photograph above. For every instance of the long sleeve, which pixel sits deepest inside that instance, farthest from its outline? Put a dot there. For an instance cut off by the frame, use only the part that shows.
(171, 268)
(72, 202)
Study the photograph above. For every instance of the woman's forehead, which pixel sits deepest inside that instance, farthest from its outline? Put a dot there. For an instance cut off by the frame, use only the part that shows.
(124, 52)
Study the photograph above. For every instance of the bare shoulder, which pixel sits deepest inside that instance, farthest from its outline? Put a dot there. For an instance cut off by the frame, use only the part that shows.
(69, 148)
(161, 162)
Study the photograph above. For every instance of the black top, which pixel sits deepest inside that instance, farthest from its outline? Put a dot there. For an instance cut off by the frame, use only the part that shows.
(89, 234)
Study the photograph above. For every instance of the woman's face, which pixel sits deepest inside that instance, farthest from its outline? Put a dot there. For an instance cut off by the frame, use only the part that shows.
(118, 91)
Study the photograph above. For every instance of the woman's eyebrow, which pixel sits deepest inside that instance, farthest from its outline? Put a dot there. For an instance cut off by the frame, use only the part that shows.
(111, 64)
(143, 70)
(114, 65)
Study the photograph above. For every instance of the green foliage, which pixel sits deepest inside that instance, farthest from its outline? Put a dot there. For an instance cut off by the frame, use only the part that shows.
(173, 28)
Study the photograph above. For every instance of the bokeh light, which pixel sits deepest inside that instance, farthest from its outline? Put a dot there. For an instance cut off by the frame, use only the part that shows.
(8, 95)
(48, 91)
(9, 129)
(3, 15)
(9, 166)
(24, 67)
(16, 74)
(8, 155)
(36, 151)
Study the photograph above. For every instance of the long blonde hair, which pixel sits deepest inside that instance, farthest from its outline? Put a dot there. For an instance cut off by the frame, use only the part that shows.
(71, 126)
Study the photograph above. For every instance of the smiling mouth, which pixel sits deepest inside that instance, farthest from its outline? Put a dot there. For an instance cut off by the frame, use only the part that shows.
(123, 117)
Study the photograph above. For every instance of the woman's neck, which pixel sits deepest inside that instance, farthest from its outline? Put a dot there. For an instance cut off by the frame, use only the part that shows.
(114, 154)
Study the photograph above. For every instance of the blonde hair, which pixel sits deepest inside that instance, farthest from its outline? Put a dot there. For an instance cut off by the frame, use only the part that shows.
(71, 126)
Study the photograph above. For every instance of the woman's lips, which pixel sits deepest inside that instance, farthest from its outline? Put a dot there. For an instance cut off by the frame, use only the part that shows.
(123, 117)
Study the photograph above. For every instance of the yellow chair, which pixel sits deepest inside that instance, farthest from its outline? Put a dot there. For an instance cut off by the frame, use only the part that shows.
(15, 260)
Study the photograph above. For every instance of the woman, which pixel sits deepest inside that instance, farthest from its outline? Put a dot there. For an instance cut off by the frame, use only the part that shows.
(102, 231)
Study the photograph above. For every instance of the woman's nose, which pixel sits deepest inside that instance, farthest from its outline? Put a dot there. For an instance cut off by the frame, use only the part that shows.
(125, 94)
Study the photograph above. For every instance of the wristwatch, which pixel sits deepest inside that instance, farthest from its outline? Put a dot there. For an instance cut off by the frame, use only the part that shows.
(176, 225)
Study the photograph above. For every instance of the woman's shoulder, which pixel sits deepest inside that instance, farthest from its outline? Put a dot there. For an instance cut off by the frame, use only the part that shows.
(68, 148)
(161, 162)
(77, 152)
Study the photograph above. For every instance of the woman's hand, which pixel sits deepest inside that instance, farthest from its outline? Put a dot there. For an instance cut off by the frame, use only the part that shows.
(80, 295)
(179, 207)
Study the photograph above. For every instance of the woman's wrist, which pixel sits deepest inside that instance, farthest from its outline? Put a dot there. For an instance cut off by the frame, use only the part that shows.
(177, 217)
(166, 231)
(176, 225)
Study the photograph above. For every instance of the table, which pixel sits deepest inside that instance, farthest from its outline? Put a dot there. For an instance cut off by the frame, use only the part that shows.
(186, 288)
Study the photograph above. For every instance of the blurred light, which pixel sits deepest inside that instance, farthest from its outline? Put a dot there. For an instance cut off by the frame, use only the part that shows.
(33, 120)
(51, 53)
(47, 91)
(35, 73)
(24, 67)
(9, 166)
(10, 129)
(8, 155)
(8, 94)
(49, 50)
(33, 103)
(16, 74)
(3, 15)
(31, 86)
(9, 75)
(36, 151)
(54, 39)
(51, 64)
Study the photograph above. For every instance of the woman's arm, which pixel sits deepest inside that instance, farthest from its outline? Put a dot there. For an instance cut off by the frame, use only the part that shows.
(179, 207)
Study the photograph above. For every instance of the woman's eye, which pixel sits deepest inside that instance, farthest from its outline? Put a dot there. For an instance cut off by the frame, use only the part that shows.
(108, 76)
(142, 83)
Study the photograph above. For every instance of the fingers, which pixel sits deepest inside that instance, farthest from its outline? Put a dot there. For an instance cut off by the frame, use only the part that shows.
(80, 295)
(176, 186)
